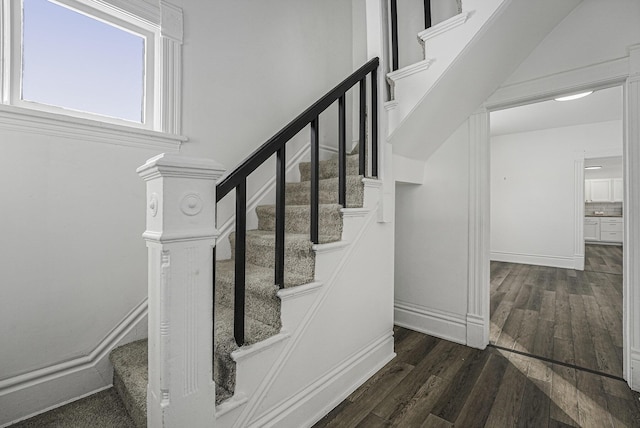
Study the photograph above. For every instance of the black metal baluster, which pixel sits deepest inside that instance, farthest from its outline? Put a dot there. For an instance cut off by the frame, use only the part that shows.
(240, 265)
(427, 14)
(342, 153)
(394, 34)
(374, 123)
(281, 162)
(238, 178)
(315, 179)
(362, 166)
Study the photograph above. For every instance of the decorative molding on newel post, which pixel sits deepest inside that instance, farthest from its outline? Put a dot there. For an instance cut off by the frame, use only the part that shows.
(180, 235)
(478, 316)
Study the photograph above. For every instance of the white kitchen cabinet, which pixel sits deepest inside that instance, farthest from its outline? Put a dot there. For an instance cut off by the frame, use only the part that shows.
(611, 237)
(591, 229)
(603, 229)
(601, 190)
(587, 190)
(611, 229)
(618, 190)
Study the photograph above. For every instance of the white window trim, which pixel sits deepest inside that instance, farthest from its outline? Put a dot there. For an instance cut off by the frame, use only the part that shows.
(163, 26)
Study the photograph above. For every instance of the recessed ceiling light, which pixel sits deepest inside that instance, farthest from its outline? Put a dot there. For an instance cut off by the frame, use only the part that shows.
(592, 167)
(574, 96)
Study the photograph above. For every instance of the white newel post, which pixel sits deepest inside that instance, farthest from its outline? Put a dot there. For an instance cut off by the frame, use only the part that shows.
(180, 237)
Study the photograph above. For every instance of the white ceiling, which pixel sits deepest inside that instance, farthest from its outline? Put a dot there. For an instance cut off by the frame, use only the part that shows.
(602, 106)
(611, 167)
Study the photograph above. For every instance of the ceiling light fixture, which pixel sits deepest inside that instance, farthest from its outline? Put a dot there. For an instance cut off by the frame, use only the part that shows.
(592, 167)
(574, 96)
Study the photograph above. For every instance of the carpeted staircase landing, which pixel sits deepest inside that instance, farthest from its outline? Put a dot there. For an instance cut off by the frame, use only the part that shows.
(262, 303)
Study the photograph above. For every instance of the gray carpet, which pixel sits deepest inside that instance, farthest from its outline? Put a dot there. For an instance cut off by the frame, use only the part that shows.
(101, 410)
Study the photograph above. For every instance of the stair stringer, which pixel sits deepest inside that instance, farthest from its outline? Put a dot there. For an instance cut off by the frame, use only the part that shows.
(442, 44)
(254, 361)
(339, 329)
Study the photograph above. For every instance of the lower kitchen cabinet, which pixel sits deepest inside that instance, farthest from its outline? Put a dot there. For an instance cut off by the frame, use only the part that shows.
(603, 229)
(591, 229)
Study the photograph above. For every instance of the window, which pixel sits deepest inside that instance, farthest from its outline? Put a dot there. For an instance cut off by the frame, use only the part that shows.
(102, 60)
(74, 61)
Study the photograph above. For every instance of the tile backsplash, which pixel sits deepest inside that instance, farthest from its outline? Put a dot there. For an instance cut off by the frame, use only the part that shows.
(609, 208)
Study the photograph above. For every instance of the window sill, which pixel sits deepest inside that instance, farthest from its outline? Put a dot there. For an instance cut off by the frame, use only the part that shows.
(37, 122)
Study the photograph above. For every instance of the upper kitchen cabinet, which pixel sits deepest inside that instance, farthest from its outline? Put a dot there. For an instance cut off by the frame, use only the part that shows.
(600, 190)
(603, 180)
(618, 190)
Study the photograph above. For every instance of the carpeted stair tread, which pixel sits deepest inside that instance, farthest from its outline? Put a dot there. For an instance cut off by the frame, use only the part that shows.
(329, 168)
(130, 378)
(298, 219)
(293, 241)
(259, 279)
(298, 193)
(224, 368)
(131, 366)
(255, 331)
(261, 302)
(103, 409)
(299, 255)
(222, 394)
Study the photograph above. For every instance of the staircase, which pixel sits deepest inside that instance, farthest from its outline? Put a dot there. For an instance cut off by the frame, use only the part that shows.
(300, 317)
(263, 316)
(263, 305)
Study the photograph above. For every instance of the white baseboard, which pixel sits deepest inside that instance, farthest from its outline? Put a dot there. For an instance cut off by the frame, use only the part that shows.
(477, 332)
(535, 259)
(41, 390)
(330, 389)
(634, 381)
(445, 325)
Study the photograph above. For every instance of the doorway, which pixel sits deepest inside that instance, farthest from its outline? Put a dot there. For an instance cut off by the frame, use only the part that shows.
(550, 296)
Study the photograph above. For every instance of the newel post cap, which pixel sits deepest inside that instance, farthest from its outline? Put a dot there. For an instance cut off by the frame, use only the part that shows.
(176, 165)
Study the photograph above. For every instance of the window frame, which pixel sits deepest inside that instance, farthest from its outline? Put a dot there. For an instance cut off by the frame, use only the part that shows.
(161, 27)
(139, 29)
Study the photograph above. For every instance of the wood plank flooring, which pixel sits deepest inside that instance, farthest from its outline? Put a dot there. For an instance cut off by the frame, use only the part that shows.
(603, 258)
(436, 383)
(570, 316)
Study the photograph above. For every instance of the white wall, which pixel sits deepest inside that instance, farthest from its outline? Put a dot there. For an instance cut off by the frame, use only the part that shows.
(596, 31)
(73, 257)
(533, 191)
(431, 243)
(74, 261)
(251, 67)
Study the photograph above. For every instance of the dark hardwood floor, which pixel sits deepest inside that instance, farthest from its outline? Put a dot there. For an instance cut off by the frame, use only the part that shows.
(565, 315)
(603, 258)
(571, 323)
(436, 383)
